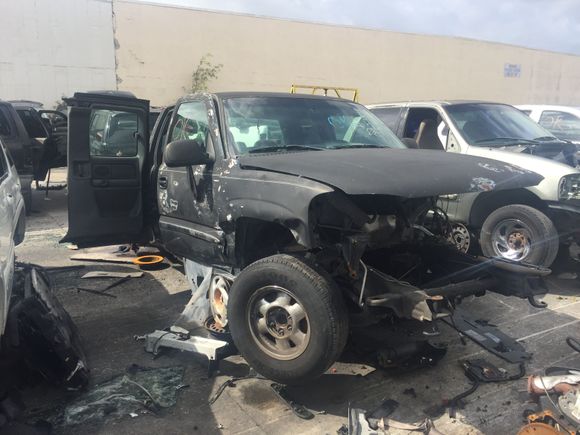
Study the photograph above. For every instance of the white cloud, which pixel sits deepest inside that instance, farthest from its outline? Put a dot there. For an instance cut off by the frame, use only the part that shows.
(546, 24)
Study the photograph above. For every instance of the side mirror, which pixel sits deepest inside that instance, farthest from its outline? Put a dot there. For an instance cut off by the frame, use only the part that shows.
(185, 152)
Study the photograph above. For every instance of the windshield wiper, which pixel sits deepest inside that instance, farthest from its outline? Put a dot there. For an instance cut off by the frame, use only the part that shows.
(504, 139)
(358, 145)
(547, 138)
(284, 148)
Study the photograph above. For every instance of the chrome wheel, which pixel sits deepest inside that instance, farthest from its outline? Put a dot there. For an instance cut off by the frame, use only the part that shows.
(511, 239)
(278, 323)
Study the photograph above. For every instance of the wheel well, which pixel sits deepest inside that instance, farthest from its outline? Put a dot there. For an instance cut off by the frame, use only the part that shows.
(257, 239)
(488, 202)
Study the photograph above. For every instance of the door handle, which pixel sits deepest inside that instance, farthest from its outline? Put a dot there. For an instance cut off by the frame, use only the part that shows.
(163, 182)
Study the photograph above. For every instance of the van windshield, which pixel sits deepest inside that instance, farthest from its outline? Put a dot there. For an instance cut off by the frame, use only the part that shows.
(486, 124)
(266, 124)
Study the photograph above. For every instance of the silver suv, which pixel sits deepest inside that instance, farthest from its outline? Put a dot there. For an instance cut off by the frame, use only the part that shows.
(11, 228)
(524, 224)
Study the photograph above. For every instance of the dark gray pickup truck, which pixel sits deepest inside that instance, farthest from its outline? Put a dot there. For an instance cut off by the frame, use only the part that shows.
(312, 206)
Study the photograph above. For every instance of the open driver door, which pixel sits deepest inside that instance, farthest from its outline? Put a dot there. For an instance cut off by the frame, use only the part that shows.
(108, 141)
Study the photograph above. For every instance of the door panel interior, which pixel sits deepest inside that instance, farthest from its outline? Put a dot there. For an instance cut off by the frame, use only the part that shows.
(107, 151)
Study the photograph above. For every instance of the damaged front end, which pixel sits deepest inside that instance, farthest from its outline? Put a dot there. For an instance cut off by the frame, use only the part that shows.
(392, 257)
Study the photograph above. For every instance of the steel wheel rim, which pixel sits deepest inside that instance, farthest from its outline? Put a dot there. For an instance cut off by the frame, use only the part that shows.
(512, 239)
(278, 323)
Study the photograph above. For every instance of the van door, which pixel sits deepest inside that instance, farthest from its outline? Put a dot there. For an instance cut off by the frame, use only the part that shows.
(108, 141)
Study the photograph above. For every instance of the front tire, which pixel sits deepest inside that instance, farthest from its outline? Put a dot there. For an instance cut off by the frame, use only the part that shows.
(520, 233)
(287, 319)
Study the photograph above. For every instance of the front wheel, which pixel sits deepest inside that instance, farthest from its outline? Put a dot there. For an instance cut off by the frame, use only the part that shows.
(287, 320)
(520, 233)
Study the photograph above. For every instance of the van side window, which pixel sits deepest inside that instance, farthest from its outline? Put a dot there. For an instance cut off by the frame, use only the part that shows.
(191, 122)
(389, 116)
(113, 133)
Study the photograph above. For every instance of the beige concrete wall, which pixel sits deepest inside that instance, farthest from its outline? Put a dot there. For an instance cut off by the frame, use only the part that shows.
(158, 47)
(53, 48)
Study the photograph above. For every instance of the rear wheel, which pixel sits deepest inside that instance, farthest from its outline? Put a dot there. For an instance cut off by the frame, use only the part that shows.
(520, 233)
(287, 319)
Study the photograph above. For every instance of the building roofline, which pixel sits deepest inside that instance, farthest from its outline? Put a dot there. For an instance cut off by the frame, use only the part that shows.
(347, 26)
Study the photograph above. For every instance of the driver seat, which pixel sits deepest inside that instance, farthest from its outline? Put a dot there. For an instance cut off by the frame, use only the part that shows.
(426, 136)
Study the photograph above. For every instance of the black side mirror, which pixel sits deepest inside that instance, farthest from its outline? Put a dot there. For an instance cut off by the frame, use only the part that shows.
(186, 152)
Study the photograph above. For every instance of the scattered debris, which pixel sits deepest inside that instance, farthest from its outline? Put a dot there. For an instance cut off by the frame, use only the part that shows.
(488, 337)
(481, 371)
(179, 338)
(139, 389)
(352, 369)
(411, 355)
(363, 423)
(561, 384)
(113, 254)
(105, 274)
(567, 275)
(148, 262)
(231, 383)
(546, 422)
(299, 410)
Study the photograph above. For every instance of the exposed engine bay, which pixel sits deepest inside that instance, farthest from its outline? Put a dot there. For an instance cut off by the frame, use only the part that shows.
(394, 253)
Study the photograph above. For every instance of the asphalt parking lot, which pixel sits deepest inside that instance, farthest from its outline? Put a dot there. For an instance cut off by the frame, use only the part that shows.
(108, 327)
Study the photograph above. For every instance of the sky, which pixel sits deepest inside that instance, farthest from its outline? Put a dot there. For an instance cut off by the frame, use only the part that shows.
(545, 24)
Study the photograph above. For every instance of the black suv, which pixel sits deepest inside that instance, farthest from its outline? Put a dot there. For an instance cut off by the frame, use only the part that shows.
(309, 207)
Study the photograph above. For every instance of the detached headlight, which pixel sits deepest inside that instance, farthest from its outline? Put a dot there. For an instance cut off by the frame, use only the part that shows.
(570, 187)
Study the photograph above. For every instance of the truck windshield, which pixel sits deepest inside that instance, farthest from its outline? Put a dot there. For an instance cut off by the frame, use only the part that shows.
(484, 124)
(266, 124)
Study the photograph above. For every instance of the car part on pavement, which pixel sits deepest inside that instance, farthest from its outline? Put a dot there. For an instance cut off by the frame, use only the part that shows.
(481, 371)
(569, 404)
(105, 274)
(138, 390)
(182, 340)
(563, 383)
(44, 332)
(298, 409)
(488, 337)
(148, 262)
(546, 423)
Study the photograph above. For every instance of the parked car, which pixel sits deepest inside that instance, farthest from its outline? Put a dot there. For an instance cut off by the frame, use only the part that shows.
(20, 148)
(310, 203)
(524, 224)
(48, 130)
(562, 121)
(12, 225)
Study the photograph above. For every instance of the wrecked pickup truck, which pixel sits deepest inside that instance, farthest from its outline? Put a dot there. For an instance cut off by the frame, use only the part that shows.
(314, 208)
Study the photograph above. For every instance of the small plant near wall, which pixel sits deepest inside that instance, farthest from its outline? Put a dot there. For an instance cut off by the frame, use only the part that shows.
(205, 72)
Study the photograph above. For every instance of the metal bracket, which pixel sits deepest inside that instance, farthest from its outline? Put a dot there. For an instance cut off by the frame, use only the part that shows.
(200, 345)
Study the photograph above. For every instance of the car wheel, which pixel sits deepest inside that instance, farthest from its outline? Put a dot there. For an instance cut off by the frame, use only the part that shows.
(287, 319)
(520, 233)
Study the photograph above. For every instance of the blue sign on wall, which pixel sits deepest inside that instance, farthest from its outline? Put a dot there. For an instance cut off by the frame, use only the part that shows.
(512, 70)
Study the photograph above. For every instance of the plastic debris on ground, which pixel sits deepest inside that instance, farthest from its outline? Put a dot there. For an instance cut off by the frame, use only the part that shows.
(139, 390)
